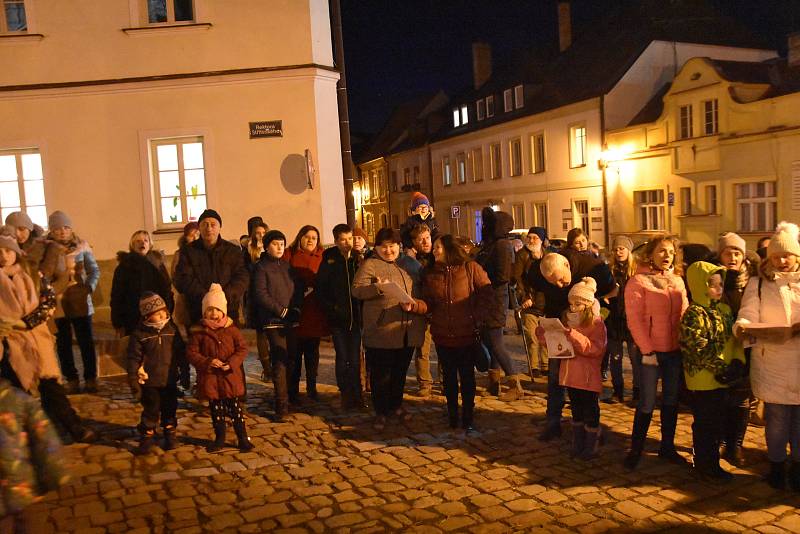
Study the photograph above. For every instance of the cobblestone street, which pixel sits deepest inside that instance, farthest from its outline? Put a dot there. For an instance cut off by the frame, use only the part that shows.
(325, 470)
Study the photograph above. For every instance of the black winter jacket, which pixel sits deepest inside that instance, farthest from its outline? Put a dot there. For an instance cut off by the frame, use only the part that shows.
(158, 351)
(134, 275)
(274, 290)
(496, 256)
(199, 267)
(334, 284)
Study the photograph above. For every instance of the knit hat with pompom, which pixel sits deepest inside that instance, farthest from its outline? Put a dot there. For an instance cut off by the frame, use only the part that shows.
(215, 298)
(785, 240)
(583, 292)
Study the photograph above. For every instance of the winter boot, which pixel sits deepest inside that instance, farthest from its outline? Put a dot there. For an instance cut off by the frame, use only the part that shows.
(777, 475)
(590, 444)
(578, 439)
(794, 476)
(147, 441)
(737, 428)
(219, 438)
(244, 442)
(170, 438)
(669, 422)
(494, 382)
(552, 430)
(641, 422)
(515, 391)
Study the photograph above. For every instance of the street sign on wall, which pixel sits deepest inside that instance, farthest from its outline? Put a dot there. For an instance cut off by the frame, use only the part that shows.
(266, 129)
(455, 212)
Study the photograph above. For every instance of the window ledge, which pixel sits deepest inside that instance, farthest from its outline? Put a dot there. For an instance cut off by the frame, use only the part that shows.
(167, 28)
(20, 37)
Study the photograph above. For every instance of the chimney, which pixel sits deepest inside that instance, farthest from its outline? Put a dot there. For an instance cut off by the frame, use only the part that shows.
(481, 63)
(564, 25)
(793, 55)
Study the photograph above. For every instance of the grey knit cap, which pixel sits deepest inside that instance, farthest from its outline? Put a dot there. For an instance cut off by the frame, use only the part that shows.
(59, 219)
(19, 219)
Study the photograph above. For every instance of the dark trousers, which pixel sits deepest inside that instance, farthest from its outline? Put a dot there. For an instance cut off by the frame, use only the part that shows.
(308, 351)
(585, 407)
(708, 409)
(282, 347)
(457, 364)
(347, 345)
(613, 361)
(85, 338)
(159, 403)
(501, 359)
(737, 413)
(220, 408)
(555, 393)
(387, 375)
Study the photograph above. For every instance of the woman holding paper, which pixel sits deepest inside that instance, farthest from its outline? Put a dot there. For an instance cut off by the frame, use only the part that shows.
(769, 315)
(655, 299)
(393, 323)
(456, 291)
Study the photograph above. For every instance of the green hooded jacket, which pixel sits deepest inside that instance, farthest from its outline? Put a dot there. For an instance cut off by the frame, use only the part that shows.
(706, 331)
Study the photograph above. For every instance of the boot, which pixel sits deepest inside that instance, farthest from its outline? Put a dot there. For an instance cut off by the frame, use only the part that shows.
(578, 438)
(777, 475)
(170, 438)
(619, 393)
(669, 421)
(467, 415)
(146, 442)
(494, 382)
(515, 391)
(311, 389)
(244, 442)
(552, 430)
(590, 444)
(794, 476)
(219, 438)
(641, 422)
(737, 428)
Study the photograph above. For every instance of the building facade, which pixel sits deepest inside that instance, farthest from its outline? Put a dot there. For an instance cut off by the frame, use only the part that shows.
(133, 114)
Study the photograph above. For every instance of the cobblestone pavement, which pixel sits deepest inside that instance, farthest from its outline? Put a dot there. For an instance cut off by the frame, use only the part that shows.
(325, 470)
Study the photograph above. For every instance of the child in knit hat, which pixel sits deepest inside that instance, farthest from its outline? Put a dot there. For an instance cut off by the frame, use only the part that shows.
(421, 213)
(153, 358)
(580, 374)
(217, 350)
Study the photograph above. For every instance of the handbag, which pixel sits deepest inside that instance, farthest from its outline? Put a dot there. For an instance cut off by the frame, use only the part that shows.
(477, 351)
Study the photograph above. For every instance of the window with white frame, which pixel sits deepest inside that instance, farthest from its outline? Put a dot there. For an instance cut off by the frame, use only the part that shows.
(650, 209)
(686, 200)
(480, 107)
(580, 208)
(496, 161)
(461, 168)
(515, 157)
(447, 171)
(406, 176)
(464, 114)
(180, 178)
(456, 118)
(540, 214)
(711, 117)
(711, 199)
(477, 164)
(393, 181)
(518, 214)
(381, 184)
(577, 146)
(537, 153)
(756, 205)
(490, 106)
(508, 100)
(169, 11)
(22, 184)
(416, 174)
(519, 97)
(685, 122)
(13, 18)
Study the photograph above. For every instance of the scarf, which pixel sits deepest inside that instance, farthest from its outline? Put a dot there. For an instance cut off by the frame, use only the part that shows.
(158, 325)
(18, 298)
(223, 322)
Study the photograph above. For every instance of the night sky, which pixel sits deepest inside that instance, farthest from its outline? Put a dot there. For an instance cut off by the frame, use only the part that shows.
(398, 49)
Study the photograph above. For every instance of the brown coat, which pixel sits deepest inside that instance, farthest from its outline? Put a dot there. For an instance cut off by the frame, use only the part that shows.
(456, 306)
(225, 344)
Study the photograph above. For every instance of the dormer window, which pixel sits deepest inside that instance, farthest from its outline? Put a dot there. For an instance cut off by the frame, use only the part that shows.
(464, 114)
(490, 106)
(456, 118)
(519, 97)
(480, 106)
(460, 116)
(508, 100)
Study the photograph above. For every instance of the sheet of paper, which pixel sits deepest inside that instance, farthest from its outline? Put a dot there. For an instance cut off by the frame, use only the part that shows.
(393, 291)
(558, 346)
(552, 324)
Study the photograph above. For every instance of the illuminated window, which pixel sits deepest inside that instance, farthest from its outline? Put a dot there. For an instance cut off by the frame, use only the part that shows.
(456, 118)
(447, 171)
(22, 184)
(464, 115)
(461, 168)
(577, 146)
(179, 176)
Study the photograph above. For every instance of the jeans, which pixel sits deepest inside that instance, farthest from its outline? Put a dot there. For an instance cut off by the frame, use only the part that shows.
(282, 347)
(635, 356)
(585, 407)
(457, 364)
(537, 352)
(159, 402)
(669, 370)
(555, 393)
(387, 375)
(613, 361)
(782, 428)
(493, 339)
(708, 425)
(422, 361)
(308, 351)
(347, 345)
(85, 338)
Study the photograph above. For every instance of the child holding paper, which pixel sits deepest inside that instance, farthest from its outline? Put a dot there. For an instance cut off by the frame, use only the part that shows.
(586, 331)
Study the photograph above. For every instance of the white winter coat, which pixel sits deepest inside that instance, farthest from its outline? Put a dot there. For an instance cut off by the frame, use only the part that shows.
(774, 366)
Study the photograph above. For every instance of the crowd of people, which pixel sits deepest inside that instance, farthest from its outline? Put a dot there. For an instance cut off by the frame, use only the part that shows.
(715, 326)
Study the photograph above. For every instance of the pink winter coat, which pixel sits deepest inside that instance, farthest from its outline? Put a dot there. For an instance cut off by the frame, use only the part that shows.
(583, 371)
(654, 304)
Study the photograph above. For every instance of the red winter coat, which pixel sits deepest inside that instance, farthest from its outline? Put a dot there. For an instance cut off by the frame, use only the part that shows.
(305, 265)
(226, 344)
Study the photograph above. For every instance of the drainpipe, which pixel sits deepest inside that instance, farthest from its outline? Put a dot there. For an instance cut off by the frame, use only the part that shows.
(344, 114)
(605, 187)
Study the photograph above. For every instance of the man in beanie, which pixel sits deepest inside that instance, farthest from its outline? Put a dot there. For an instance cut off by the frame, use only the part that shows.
(208, 260)
(153, 357)
(421, 213)
(531, 301)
